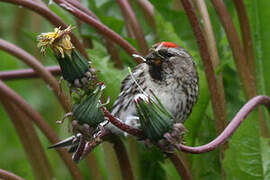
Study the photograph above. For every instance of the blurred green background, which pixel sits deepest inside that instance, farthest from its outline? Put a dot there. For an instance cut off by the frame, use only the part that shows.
(248, 155)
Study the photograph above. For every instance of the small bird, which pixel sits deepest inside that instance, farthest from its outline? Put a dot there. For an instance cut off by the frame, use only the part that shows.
(170, 73)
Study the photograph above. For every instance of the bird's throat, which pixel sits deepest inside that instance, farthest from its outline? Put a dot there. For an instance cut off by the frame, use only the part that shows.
(155, 72)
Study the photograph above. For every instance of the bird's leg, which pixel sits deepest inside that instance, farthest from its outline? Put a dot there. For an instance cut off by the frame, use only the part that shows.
(173, 138)
(177, 135)
(179, 132)
(78, 154)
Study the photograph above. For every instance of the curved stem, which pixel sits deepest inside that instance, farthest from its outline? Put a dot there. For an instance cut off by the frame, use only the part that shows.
(112, 50)
(39, 68)
(27, 73)
(42, 125)
(231, 128)
(41, 9)
(29, 139)
(78, 5)
(245, 74)
(9, 175)
(139, 35)
(224, 136)
(99, 27)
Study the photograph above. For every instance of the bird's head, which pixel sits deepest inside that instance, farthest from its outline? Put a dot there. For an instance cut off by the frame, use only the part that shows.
(168, 59)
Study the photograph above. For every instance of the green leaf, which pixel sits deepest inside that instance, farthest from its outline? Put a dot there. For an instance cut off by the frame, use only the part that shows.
(265, 150)
(166, 32)
(243, 159)
(174, 13)
(63, 14)
(106, 71)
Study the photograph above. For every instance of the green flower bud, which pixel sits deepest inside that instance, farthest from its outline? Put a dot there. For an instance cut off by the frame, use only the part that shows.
(155, 120)
(89, 110)
(75, 68)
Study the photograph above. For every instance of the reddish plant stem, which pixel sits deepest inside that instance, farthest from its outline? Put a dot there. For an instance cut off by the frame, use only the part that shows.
(20, 18)
(98, 140)
(222, 138)
(129, 29)
(29, 139)
(27, 73)
(138, 32)
(231, 128)
(248, 49)
(112, 50)
(246, 35)
(211, 44)
(42, 125)
(216, 97)
(39, 68)
(78, 5)
(101, 28)
(182, 170)
(239, 57)
(244, 73)
(123, 126)
(92, 164)
(9, 175)
(148, 11)
(41, 9)
(122, 156)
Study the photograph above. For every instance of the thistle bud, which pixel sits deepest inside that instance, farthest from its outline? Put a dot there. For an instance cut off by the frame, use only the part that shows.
(88, 110)
(75, 68)
(155, 120)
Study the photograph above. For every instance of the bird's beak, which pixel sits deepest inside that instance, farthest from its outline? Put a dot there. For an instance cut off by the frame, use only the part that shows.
(157, 61)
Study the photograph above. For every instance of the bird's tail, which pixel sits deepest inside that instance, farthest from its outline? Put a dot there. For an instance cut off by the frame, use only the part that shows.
(71, 143)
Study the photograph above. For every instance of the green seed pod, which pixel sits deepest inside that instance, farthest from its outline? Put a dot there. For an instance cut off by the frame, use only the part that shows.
(89, 110)
(74, 67)
(155, 120)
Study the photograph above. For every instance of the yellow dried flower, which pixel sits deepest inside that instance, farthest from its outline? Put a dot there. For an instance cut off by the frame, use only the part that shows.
(59, 40)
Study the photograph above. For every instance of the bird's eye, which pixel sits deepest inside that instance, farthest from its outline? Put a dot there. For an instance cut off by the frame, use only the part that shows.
(165, 53)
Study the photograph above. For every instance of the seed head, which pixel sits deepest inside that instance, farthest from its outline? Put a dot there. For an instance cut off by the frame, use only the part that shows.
(59, 41)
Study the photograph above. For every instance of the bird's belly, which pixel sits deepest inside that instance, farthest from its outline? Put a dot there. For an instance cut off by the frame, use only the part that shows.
(173, 99)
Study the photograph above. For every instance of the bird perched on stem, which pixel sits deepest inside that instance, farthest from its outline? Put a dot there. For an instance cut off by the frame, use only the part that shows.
(169, 73)
(168, 82)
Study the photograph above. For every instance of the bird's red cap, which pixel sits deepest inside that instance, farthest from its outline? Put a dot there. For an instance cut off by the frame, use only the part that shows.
(168, 44)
